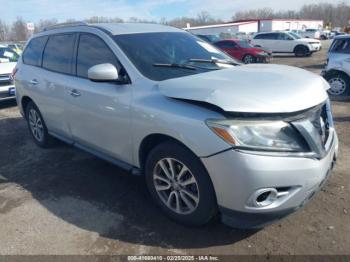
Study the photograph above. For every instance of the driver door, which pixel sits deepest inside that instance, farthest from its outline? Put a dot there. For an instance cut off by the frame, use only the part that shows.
(99, 112)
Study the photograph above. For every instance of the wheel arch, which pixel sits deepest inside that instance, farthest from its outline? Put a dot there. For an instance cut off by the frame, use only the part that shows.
(300, 46)
(333, 72)
(151, 141)
(24, 102)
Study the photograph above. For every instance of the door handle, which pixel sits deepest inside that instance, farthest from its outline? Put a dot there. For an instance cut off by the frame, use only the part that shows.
(75, 93)
(34, 82)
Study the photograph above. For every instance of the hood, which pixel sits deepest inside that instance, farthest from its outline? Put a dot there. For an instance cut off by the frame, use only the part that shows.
(252, 88)
(7, 68)
(309, 40)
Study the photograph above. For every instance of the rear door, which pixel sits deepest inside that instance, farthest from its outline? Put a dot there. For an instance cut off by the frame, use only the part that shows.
(267, 41)
(99, 112)
(54, 80)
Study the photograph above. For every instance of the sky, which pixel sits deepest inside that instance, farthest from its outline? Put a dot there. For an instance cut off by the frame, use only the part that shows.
(34, 10)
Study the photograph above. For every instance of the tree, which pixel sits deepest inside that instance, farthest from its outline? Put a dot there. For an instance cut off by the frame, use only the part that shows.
(19, 30)
(4, 31)
(44, 23)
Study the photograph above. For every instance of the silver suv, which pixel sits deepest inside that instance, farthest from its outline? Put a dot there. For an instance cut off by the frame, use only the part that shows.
(252, 143)
(337, 71)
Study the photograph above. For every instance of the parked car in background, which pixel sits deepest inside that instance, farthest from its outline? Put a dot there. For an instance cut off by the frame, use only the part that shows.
(337, 71)
(286, 42)
(18, 48)
(244, 51)
(251, 143)
(8, 60)
(310, 33)
(209, 38)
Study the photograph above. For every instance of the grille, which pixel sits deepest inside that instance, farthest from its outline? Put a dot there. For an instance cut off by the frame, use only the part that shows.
(5, 78)
(317, 129)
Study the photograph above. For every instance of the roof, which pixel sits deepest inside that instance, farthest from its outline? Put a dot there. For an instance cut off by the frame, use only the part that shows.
(342, 36)
(117, 28)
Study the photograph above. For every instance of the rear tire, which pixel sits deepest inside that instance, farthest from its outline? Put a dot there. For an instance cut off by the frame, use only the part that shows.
(180, 185)
(37, 126)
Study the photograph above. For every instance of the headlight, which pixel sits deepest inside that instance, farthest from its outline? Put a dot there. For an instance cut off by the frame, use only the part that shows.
(262, 54)
(259, 135)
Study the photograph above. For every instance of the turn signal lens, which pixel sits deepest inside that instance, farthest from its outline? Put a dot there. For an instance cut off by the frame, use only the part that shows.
(224, 134)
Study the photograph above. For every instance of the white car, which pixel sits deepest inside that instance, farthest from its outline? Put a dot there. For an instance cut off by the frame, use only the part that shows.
(8, 61)
(337, 71)
(286, 42)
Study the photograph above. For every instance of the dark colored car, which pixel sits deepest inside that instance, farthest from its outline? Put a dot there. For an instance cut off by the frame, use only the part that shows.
(244, 51)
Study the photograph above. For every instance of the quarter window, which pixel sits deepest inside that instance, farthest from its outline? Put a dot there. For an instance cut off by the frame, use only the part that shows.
(32, 53)
(93, 51)
(59, 52)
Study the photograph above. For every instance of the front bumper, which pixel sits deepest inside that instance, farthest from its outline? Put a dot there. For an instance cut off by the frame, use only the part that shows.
(7, 92)
(315, 47)
(236, 177)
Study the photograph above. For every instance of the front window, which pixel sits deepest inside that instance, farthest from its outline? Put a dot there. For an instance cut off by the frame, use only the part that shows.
(294, 35)
(161, 56)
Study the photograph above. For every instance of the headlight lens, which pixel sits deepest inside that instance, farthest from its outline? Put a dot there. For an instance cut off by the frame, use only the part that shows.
(259, 135)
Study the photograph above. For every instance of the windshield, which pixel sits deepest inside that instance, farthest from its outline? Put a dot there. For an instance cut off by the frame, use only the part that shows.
(8, 55)
(146, 50)
(295, 35)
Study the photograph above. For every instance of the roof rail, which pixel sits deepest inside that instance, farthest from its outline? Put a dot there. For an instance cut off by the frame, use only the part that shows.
(62, 25)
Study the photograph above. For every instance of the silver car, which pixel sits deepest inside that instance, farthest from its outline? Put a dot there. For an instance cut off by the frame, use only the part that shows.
(337, 71)
(251, 143)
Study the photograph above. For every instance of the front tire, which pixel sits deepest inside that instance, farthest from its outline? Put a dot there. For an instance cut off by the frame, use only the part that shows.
(339, 83)
(180, 185)
(248, 59)
(301, 51)
(37, 126)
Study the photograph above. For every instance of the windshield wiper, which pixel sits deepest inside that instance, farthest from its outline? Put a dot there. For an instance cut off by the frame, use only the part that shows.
(174, 65)
(212, 61)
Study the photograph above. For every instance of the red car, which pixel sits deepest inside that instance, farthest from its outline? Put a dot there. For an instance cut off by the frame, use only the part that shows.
(244, 51)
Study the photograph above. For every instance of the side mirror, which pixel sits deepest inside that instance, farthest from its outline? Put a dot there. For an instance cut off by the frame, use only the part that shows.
(103, 73)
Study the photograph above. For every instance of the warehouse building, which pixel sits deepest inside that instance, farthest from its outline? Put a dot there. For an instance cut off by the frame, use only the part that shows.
(256, 25)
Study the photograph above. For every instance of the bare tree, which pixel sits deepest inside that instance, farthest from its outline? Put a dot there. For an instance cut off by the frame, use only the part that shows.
(44, 23)
(19, 30)
(4, 31)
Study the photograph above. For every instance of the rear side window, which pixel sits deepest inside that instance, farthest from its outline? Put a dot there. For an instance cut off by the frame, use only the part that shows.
(58, 53)
(273, 36)
(32, 53)
(341, 46)
(93, 51)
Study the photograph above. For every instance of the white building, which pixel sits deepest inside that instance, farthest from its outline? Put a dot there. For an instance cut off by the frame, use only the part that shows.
(256, 25)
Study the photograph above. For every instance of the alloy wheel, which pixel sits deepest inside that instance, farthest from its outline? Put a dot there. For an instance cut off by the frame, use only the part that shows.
(176, 186)
(36, 125)
(248, 59)
(338, 86)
